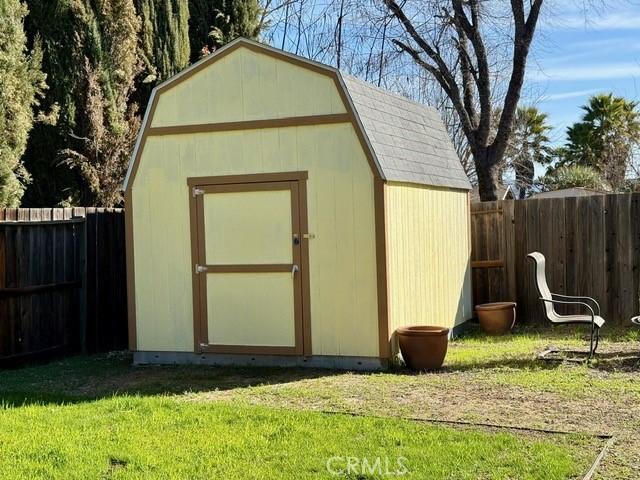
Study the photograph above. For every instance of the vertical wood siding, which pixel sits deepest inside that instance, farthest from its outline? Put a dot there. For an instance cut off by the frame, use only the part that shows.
(428, 256)
(341, 215)
(247, 85)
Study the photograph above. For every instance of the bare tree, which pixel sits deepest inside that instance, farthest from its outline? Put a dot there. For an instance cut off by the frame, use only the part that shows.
(364, 49)
(348, 34)
(453, 48)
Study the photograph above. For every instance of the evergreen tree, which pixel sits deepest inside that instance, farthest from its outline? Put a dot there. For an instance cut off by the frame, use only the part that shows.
(91, 56)
(213, 23)
(164, 41)
(21, 84)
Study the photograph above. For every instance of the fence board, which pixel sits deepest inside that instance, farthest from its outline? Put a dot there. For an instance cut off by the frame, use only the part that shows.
(634, 220)
(611, 253)
(519, 225)
(508, 219)
(592, 246)
(45, 255)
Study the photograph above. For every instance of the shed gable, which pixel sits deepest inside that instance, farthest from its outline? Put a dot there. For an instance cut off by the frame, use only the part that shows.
(246, 85)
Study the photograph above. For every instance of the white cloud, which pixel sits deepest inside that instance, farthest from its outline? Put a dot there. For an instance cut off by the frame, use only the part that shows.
(611, 21)
(581, 51)
(599, 43)
(588, 72)
(565, 95)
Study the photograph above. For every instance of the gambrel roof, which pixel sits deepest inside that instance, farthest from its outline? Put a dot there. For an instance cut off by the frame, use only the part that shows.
(408, 138)
(405, 141)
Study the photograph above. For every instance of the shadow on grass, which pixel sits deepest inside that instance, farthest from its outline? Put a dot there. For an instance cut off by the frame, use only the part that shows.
(551, 332)
(619, 348)
(88, 378)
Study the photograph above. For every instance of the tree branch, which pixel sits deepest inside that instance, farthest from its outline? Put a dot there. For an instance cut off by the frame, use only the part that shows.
(443, 76)
(472, 32)
(451, 88)
(466, 69)
(522, 41)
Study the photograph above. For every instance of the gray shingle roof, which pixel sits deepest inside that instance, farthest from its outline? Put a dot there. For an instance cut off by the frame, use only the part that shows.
(409, 139)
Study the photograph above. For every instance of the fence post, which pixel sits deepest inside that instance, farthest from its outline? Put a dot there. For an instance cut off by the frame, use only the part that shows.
(83, 288)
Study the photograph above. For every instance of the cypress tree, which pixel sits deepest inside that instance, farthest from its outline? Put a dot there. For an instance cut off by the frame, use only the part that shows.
(164, 37)
(212, 23)
(91, 57)
(21, 84)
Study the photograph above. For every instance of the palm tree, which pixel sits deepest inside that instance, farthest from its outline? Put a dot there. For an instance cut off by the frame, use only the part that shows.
(528, 144)
(568, 176)
(605, 138)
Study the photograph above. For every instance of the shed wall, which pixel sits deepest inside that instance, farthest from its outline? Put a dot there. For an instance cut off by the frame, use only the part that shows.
(340, 213)
(246, 85)
(428, 255)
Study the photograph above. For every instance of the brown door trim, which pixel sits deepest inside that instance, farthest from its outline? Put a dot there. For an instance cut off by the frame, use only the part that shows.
(195, 280)
(250, 268)
(245, 187)
(247, 178)
(293, 181)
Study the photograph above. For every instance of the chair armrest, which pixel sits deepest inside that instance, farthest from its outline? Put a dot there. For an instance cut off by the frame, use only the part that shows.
(593, 315)
(597, 305)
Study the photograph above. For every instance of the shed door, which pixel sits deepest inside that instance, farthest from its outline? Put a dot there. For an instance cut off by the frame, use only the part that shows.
(249, 268)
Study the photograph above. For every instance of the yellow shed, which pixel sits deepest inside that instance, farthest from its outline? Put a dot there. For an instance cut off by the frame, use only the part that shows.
(279, 212)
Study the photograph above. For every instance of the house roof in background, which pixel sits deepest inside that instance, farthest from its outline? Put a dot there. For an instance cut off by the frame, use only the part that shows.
(569, 192)
(504, 193)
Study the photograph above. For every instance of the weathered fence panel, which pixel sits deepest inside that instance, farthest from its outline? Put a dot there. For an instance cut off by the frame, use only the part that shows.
(62, 281)
(592, 246)
(106, 281)
(38, 291)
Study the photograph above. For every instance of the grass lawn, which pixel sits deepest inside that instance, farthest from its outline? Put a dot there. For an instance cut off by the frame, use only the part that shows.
(100, 417)
(135, 437)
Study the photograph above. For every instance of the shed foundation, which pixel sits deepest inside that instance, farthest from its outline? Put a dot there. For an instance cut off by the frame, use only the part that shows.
(220, 359)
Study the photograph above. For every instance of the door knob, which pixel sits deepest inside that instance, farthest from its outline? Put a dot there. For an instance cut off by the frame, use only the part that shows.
(294, 269)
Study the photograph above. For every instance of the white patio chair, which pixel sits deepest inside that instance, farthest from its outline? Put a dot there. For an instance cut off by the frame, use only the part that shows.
(549, 299)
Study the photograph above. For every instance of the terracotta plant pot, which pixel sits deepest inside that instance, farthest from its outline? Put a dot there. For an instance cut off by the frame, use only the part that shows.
(496, 318)
(423, 347)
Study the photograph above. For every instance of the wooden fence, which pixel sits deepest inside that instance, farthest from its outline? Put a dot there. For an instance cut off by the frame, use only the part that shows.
(62, 281)
(592, 246)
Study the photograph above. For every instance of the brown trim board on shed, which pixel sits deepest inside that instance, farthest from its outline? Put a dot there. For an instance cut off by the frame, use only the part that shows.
(251, 124)
(384, 350)
(296, 183)
(351, 116)
(131, 291)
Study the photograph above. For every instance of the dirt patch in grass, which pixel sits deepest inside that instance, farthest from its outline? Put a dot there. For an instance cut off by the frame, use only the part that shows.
(499, 386)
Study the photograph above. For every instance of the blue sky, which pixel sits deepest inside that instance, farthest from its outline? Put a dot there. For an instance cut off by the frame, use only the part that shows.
(578, 54)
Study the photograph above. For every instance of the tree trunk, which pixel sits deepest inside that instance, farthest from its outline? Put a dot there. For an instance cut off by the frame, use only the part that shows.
(488, 172)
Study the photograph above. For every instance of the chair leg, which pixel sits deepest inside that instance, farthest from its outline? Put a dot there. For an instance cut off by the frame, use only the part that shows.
(597, 340)
(591, 349)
